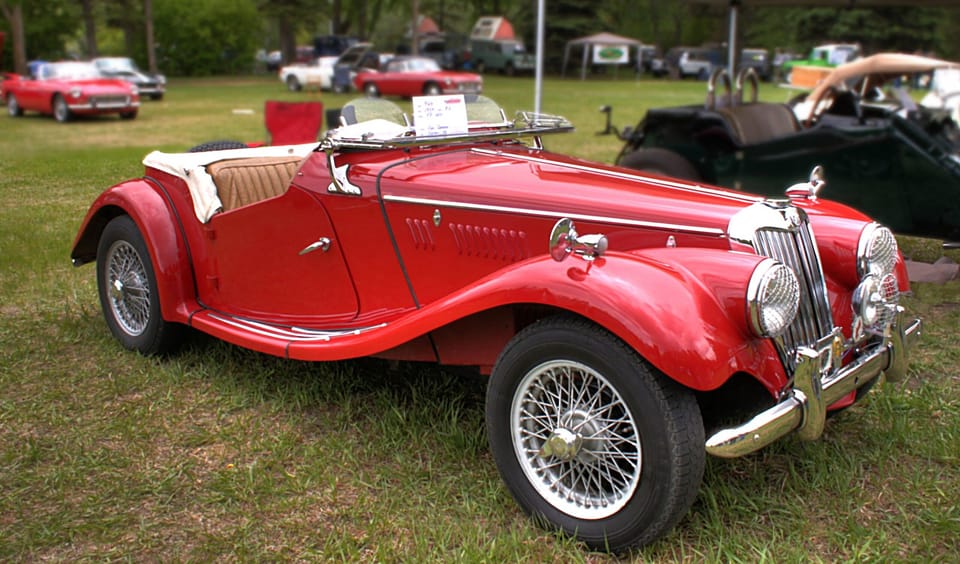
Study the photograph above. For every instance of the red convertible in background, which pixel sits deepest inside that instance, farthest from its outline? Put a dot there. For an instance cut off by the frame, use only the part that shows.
(67, 89)
(630, 324)
(415, 76)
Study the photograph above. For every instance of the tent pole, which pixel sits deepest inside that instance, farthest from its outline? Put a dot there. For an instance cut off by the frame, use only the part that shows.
(732, 42)
(538, 81)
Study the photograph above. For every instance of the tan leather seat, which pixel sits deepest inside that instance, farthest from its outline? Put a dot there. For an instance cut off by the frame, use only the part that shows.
(244, 181)
(757, 123)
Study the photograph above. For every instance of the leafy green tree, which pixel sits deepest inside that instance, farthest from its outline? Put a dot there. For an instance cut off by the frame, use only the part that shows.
(45, 28)
(204, 38)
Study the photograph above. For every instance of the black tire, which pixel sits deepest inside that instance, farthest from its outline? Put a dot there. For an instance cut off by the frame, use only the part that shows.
(509, 70)
(293, 85)
(431, 89)
(156, 96)
(217, 146)
(590, 439)
(481, 67)
(13, 107)
(128, 291)
(370, 90)
(61, 112)
(132, 114)
(662, 162)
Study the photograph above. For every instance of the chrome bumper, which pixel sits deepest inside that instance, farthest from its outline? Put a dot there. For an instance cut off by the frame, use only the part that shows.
(818, 383)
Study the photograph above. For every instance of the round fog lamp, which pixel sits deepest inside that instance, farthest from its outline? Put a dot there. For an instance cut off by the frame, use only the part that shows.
(867, 300)
(773, 296)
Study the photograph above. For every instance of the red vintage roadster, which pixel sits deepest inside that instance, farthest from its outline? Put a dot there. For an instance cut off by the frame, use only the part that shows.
(630, 324)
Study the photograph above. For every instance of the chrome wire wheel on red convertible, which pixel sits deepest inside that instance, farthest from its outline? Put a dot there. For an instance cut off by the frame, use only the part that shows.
(590, 439)
(128, 291)
(576, 439)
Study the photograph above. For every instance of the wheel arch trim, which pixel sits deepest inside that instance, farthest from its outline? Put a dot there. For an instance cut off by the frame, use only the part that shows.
(143, 202)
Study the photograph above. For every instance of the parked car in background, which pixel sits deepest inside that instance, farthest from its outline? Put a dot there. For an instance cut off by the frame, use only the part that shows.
(830, 55)
(68, 89)
(332, 45)
(630, 324)
(152, 85)
(696, 62)
(416, 76)
(317, 74)
(507, 56)
(349, 63)
(758, 60)
(447, 49)
(881, 152)
(651, 61)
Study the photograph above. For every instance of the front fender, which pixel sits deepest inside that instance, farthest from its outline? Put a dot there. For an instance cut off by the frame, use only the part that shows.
(683, 310)
(157, 221)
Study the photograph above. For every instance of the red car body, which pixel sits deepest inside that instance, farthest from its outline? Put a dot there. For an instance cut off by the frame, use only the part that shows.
(68, 89)
(624, 318)
(416, 76)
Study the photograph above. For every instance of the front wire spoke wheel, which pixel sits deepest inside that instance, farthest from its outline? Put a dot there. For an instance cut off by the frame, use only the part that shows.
(576, 439)
(589, 438)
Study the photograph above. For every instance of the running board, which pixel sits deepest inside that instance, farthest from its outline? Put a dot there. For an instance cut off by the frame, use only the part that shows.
(277, 339)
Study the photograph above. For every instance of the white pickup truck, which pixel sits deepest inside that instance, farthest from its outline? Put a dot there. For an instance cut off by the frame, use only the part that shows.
(318, 74)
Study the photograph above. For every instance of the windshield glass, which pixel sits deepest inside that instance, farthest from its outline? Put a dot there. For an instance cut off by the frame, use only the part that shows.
(68, 71)
(116, 65)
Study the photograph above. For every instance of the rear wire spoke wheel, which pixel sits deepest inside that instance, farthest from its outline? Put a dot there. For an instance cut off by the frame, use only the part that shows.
(128, 291)
(590, 439)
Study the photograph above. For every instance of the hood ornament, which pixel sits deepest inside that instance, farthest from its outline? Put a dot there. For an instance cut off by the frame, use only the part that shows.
(808, 190)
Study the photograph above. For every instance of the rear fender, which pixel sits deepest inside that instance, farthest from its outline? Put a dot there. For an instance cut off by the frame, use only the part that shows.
(143, 201)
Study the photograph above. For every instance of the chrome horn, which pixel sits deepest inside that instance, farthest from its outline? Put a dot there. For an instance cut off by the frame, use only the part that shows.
(565, 240)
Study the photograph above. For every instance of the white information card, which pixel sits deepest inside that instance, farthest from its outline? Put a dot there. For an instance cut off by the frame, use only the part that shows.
(439, 115)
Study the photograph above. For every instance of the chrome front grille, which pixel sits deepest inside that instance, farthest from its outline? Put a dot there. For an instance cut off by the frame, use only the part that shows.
(793, 244)
(109, 101)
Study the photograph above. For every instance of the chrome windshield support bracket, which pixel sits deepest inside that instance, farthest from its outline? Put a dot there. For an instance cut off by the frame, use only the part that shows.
(339, 184)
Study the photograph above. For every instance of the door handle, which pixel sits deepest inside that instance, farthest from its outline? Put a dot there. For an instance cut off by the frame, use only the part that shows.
(323, 243)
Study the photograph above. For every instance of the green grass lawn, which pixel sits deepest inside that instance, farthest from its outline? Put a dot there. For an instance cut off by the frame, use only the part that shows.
(221, 453)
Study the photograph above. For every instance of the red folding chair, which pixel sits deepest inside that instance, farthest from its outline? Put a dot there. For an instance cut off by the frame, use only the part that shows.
(291, 123)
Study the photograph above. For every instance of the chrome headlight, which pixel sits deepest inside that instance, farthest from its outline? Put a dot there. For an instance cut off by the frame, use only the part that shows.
(773, 296)
(876, 251)
(76, 92)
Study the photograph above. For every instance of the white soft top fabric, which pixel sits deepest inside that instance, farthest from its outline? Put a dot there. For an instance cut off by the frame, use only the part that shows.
(191, 167)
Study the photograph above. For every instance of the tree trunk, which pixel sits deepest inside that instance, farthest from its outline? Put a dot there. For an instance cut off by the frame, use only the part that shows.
(288, 43)
(415, 35)
(151, 44)
(14, 16)
(90, 29)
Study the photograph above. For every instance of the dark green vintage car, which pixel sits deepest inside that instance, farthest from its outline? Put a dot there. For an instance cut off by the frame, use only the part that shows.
(881, 152)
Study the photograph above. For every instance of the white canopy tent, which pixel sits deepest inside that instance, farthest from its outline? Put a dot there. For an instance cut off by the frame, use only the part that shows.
(589, 42)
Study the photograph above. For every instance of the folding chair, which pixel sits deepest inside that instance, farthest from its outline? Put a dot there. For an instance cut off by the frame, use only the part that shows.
(292, 123)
